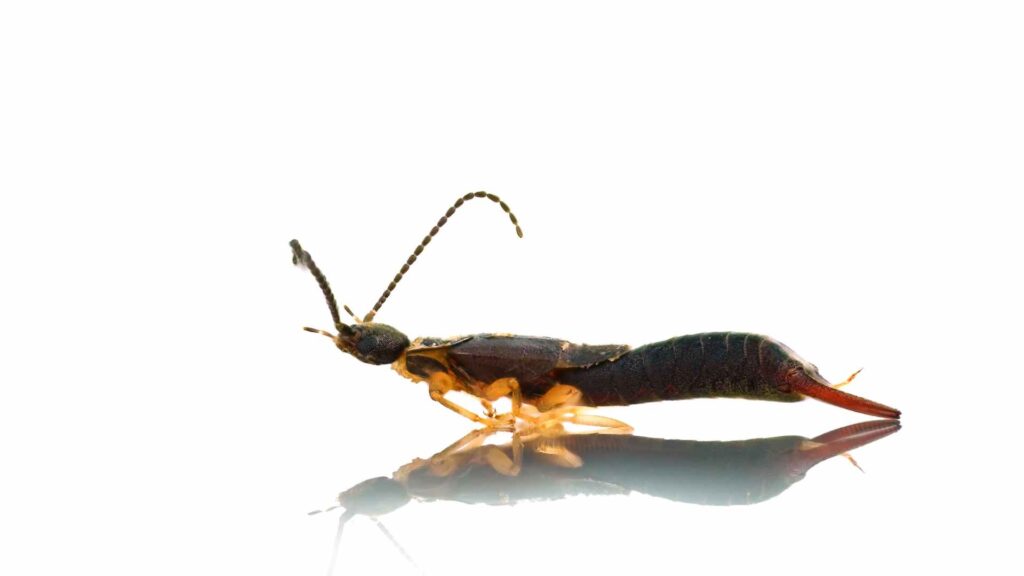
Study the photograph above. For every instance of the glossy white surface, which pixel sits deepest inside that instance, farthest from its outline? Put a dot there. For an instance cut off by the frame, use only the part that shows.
(844, 180)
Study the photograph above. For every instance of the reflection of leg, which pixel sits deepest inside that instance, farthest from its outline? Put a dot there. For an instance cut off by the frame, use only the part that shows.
(451, 458)
(446, 461)
(555, 453)
(467, 442)
(469, 448)
(815, 445)
(498, 459)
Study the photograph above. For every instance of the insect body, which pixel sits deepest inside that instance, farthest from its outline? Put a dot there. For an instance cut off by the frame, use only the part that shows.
(555, 375)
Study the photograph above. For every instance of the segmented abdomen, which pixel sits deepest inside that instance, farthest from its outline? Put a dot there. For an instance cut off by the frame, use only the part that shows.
(714, 364)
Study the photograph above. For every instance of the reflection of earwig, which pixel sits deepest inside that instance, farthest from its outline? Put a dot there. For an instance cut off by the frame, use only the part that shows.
(552, 374)
(698, 472)
(555, 467)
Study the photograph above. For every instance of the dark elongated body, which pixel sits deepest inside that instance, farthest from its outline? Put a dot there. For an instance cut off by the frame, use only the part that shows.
(717, 364)
(714, 364)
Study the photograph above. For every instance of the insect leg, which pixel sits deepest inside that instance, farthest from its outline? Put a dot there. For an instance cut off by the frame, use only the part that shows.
(506, 387)
(559, 396)
(441, 383)
(848, 380)
(581, 417)
(438, 396)
(560, 404)
(488, 408)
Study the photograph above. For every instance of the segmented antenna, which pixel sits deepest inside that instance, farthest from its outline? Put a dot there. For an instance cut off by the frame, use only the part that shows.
(433, 232)
(302, 258)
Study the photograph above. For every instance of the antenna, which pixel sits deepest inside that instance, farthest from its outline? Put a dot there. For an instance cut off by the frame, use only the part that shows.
(426, 240)
(302, 259)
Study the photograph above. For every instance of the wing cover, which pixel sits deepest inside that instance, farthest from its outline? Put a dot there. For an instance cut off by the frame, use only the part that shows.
(530, 359)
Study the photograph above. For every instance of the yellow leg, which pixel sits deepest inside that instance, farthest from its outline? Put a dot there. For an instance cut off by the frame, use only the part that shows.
(551, 423)
(506, 387)
(441, 383)
(496, 423)
(852, 461)
(560, 395)
(581, 417)
(560, 405)
(848, 380)
(438, 397)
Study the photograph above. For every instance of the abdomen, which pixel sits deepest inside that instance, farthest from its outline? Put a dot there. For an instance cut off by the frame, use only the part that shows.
(714, 364)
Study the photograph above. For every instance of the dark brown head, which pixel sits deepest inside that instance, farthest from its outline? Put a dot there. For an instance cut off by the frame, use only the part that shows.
(370, 342)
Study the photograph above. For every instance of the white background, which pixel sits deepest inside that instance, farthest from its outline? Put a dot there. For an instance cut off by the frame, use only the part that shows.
(840, 177)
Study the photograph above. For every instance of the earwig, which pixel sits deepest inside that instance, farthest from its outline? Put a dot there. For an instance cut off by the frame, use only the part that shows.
(552, 376)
